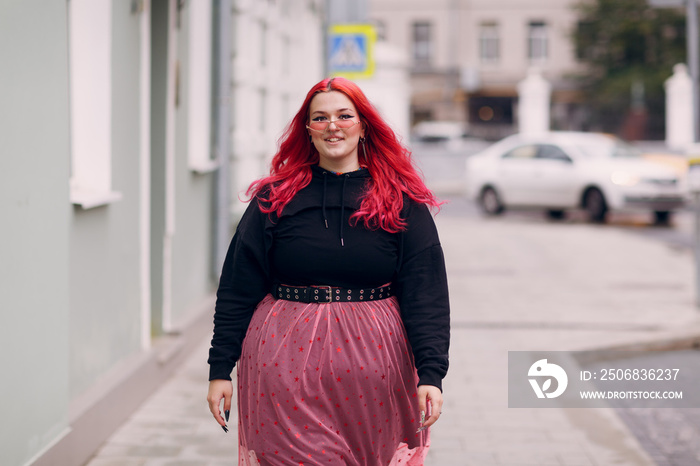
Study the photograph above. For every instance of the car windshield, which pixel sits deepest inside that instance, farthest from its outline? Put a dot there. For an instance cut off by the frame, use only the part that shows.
(612, 148)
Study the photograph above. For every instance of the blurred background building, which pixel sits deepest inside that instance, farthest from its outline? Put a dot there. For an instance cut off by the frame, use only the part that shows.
(467, 57)
(606, 61)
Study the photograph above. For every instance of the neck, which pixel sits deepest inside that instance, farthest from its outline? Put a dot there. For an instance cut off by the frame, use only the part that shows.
(339, 167)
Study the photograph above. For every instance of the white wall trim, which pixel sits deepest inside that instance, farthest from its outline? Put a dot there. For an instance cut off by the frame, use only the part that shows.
(145, 174)
(170, 138)
(90, 48)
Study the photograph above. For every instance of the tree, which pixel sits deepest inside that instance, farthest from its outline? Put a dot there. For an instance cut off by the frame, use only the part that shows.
(629, 49)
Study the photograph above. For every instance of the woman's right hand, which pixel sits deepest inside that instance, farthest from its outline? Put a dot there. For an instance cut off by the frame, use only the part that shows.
(219, 389)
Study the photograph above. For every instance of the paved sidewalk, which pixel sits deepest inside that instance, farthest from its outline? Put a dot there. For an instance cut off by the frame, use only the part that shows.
(516, 284)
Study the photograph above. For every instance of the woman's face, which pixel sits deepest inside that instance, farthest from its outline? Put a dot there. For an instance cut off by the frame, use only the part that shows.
(337, 147)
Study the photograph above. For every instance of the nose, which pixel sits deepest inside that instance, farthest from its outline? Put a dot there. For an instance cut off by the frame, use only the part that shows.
(332, 122)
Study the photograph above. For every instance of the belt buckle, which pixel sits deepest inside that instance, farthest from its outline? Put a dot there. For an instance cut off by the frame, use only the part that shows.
(329, 291)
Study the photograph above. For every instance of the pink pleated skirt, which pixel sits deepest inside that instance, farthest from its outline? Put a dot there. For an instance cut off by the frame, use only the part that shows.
(322, 384)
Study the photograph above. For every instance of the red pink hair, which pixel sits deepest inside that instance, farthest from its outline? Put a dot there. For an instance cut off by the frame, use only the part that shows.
(389, 162)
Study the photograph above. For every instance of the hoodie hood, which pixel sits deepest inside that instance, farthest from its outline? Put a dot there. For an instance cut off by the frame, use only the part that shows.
(328, 190)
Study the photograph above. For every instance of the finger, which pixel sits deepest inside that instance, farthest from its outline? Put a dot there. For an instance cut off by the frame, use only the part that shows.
(214, 403)
(422, 405)
(435, 410)
(227, 404)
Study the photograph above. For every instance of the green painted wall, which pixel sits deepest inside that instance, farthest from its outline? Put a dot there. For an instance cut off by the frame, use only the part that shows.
(35, 212)
(104, 241)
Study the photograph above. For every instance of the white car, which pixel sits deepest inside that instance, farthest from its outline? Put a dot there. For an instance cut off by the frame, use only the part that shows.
(557, 171)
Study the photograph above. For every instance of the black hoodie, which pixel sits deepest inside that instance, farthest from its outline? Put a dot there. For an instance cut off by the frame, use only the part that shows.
(314, 243)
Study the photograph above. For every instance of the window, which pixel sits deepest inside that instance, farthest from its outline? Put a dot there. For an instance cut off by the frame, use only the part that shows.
(489, 43)
(550, 152)
(90, 68)
(380, 28)
(422, 46)
(537, 41)
(527, 152)
(263, 110)
(263, 44)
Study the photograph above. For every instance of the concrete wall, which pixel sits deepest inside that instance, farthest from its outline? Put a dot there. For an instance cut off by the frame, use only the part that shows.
(104, 241)
(35, 212)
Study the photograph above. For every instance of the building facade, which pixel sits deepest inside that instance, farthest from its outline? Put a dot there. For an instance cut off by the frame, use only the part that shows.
(467, 57)
(119, 119)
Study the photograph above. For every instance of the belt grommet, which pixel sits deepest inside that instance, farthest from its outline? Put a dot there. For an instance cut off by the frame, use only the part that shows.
(288, 296)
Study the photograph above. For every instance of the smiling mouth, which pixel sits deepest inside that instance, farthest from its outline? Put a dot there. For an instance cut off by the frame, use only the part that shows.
(334, 139)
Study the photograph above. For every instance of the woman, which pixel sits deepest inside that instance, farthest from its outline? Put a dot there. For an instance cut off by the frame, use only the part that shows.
(332, 294)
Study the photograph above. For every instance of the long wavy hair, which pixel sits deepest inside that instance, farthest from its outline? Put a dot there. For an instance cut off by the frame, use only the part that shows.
(389, 162)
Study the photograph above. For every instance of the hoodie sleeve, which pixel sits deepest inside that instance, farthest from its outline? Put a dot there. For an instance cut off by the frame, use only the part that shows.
(244, 282)
(423, 295)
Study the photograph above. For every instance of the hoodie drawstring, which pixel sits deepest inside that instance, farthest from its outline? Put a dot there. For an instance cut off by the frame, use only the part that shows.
(342, 205)
(342, 210)
(323, 208)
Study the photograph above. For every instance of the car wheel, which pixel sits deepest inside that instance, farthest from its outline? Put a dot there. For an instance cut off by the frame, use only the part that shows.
(490, 202)
(662, 217)
(555, 214)
(594, 203)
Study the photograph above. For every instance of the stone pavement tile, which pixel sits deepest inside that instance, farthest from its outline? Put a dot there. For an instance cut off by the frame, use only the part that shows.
(117, 462)
(575, 458)
(524, 454)
(174, 426)
(442, 458)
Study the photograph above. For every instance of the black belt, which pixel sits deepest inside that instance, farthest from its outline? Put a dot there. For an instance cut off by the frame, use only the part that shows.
(329, 294)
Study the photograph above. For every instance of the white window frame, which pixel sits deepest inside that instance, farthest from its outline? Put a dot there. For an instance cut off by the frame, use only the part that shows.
(90, 67)
(537, 42)
(200, 159)
(489, 43)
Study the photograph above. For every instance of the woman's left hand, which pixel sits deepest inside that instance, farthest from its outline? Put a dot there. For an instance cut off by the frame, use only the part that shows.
(433, 395)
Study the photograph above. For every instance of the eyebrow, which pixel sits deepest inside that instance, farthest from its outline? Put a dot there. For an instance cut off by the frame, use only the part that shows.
(339, 110)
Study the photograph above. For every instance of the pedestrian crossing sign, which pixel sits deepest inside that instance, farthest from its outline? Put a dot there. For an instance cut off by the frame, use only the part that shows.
(351, 50)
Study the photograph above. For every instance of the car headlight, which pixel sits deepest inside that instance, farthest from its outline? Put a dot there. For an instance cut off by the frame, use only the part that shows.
(624, 179)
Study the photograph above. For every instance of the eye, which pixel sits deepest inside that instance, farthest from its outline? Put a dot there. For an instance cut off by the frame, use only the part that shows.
(345, 117)
(319, 118)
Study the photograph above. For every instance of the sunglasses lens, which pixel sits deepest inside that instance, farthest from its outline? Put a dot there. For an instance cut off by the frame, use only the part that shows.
(344, 123)
(323, 125)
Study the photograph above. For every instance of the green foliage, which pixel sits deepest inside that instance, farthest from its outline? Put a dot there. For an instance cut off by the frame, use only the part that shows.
(621, 42)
